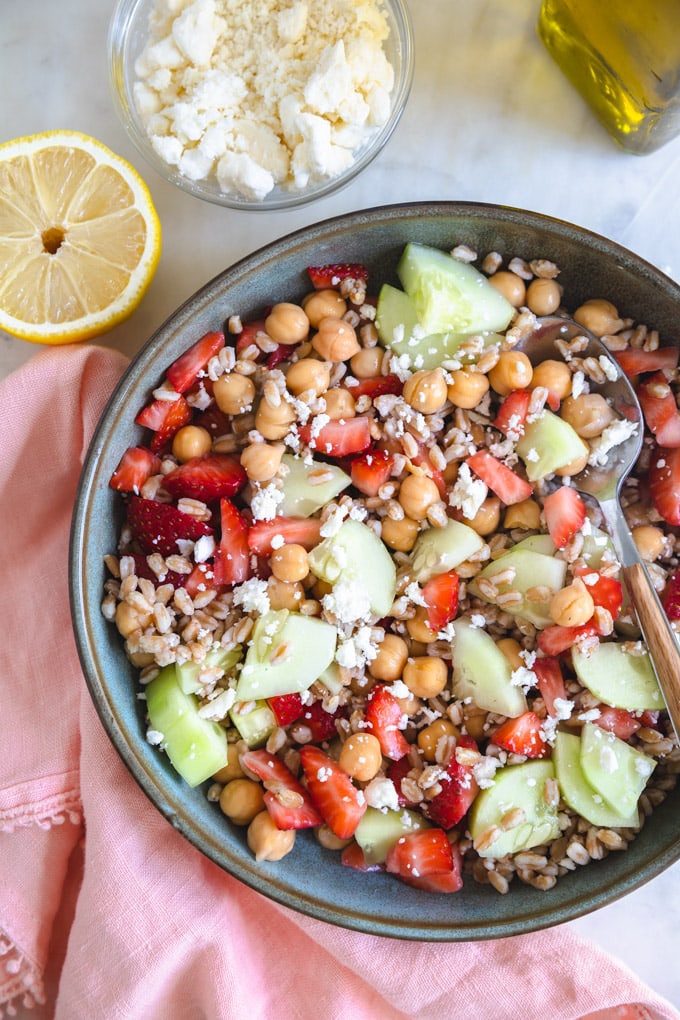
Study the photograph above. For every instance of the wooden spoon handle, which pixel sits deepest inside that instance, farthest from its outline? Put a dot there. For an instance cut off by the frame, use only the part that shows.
(659, 636)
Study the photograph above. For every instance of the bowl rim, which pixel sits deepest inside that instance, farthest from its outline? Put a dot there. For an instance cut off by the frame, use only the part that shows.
(166, 799)
(278, 200)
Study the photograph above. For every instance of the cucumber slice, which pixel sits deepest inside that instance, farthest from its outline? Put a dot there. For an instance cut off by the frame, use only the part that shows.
(221, 658)
(595, 544)
(577, 792)
(449, 295)
(617, 771)
(302, 498)
(618, 678)
(482, 673)
(515, 786)
(287, 653)
(378, 831)
(532, 570)
(356, 559)
(548, 444)
(538, 543)
(255, 726)
(196, 747)
(438, 550)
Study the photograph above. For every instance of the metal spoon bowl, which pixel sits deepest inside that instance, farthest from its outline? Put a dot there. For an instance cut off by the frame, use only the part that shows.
(603, 482)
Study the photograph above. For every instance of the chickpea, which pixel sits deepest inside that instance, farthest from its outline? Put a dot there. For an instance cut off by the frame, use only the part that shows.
(290, 562)
(323, 304)
(510, 285)
(512, 371)
(285, 594)
(128, 619)
(649, 541)
(409, 705)
(339, 404)
(554, 376)
(417, 493)
(575, 466)
(425, 676)
(308, 374)
(426, 391)
(588, 414)
(467, 388)
(419, 628)
(367, 362)
(287, 323)
(191, 441)
(525, 515)
(241, 800)
(544, 296)
(361, 756)
(335, 340)
(475, 722)
(391, 658)
(272, 421)
(573, 605)
(261, 461)
(329, 840)
(430, 738)
(599, 316)
(232, 770)
(511, 649)
(400, 535)
(487, 518)
(234, 393)
(266, 841)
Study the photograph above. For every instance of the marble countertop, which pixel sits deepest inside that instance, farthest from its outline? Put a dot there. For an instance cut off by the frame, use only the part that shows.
(490, 119)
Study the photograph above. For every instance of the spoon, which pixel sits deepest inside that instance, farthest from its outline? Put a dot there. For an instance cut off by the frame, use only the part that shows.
(603, 482)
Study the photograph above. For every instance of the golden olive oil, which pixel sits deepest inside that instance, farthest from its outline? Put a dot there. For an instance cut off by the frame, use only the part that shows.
(623, 56)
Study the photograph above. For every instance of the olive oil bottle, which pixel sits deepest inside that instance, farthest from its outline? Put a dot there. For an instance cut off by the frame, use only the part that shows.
(623, 56)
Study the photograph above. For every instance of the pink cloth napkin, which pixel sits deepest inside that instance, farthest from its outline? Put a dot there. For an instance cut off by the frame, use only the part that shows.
(105, 910)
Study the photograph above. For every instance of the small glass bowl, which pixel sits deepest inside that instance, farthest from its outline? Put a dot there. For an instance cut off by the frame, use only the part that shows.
(128, 35)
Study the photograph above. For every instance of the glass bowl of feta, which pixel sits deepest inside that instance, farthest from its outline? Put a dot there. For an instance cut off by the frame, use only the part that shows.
(255, 105)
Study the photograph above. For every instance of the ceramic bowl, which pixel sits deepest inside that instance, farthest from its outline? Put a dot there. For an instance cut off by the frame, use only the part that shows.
(128, 36)
(311, 879)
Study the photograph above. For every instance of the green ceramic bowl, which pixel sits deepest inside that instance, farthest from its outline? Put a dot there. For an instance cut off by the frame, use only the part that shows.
(311, 879)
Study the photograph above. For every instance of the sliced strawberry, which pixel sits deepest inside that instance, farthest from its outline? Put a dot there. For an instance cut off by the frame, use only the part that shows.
(286, 708)
(184, 372)
(557, 639)
(279, 354)
(232, 559)
(619, 721)
(353, 857)
(376, 386)
(213, 421)
(334, 273)
(371, 470)
(339, 802)
(459, 789)
(660, 409)
(565, 514)
(444, 881)
(502, 480)
(635, 361)
(288, 812)
(420, 853)
(338, 438)
(512, 414)
(207, 478)
(319, 722)
(136, 465)
(397, 772)
(671, 597)
(664, 483)
(159, 526)
(383, 718)
(550, 681)
(201, 578)
(605, 591)
(440, 594)
(523, 735)
(421, 459)
(247, 336)
(304, 531)
(164, 418)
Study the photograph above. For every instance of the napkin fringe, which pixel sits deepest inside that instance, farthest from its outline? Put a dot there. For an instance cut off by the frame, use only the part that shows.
(21, 983)
(55, 810)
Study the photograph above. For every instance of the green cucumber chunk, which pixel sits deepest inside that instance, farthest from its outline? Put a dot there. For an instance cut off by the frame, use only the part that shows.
(482, 673)
(515, 787)
(196, 747)
(254, 726)
(532, 572)
(220, 658)
(617, 771)
(302, 498)
(619, 678)
(577, 792)
(378, 831)
(548, 444)
(286, 654)
(356, 560)
(439, 550)
(596, 546)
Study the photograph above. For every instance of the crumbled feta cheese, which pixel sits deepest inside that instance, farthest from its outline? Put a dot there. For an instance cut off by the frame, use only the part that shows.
(252, 595)
(347, 602)
(381, 793)
(204, 548)
(484, 771)
(265, 502)
(615, 434)
(216, 708)
(468, 493)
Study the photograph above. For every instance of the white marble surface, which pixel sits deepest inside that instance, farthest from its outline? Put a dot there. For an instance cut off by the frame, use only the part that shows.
(490, 119)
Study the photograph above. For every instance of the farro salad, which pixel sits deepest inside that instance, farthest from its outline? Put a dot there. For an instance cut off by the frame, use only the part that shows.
(364, 597)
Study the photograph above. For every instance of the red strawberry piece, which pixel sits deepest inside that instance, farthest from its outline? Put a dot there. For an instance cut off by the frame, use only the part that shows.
(550, 681)
(353, 857)
(671, 597)
(319, 722)
(159, 526)
(338, 438)
(279, 354)
(232, 559)
(565, 514)
(248, 336)
(634, 361)
(136, 465)
(383, 719)
(512, 414)
(557, 639)
(397, 771)
(334, 273)
(502, 480)
(184, 372)
(376, 386)
(441, 881)
(296, 812)
(459, 789)
(164, 418)
(214, 421)
(371, 470)
(622, 723)
(660, 409)
(605, 591)
(420, 853)
(440, 594)
(207, 478)
(201, 578)
(422, 459)
(339, 802)
(523, 735)
(305, 531)
(286, 708)
(664, 483)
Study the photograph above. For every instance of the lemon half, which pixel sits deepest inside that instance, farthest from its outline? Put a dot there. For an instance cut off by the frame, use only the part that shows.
(80, 238)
